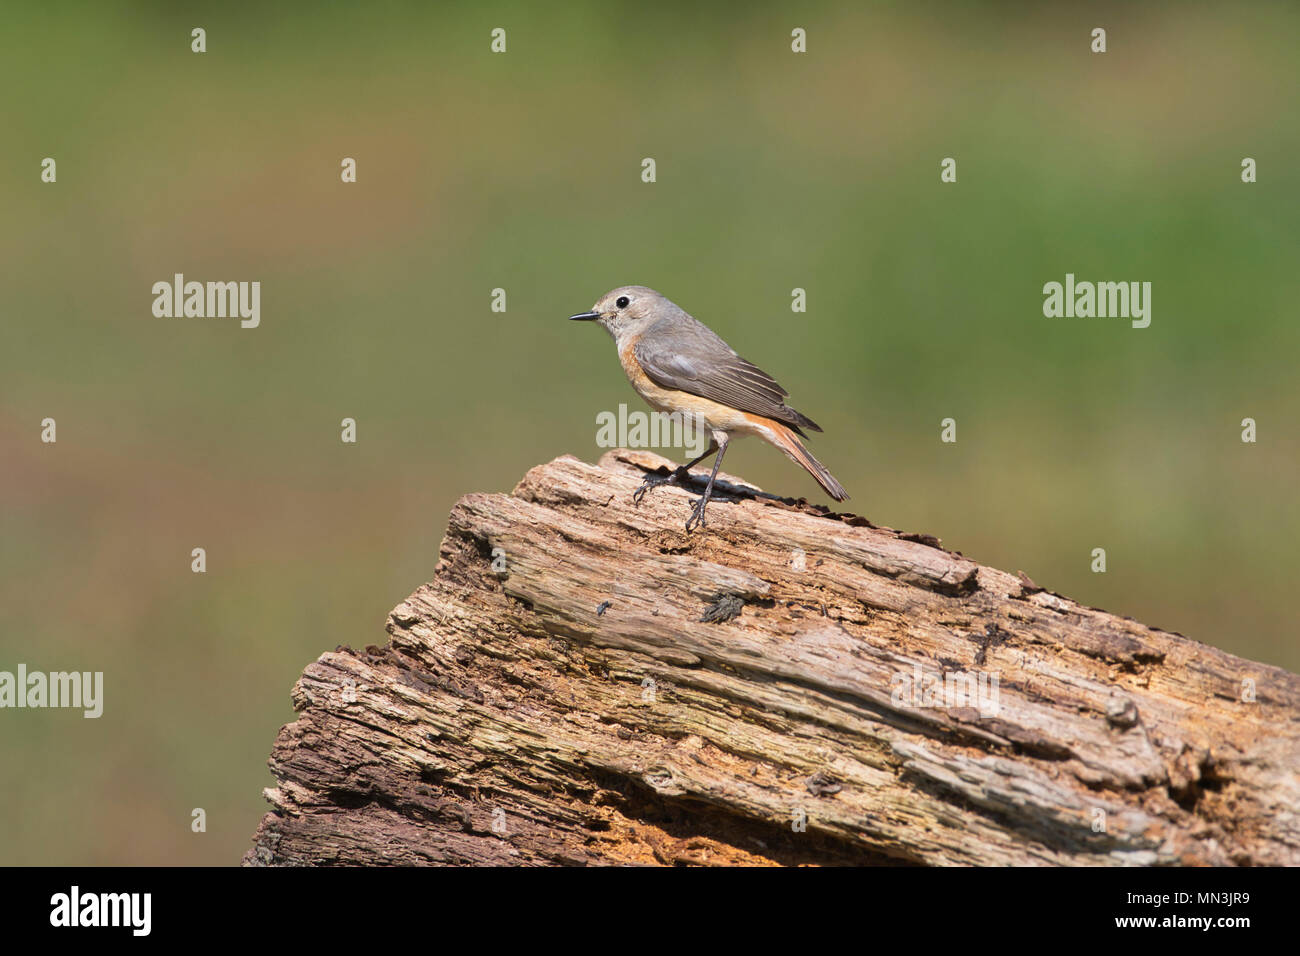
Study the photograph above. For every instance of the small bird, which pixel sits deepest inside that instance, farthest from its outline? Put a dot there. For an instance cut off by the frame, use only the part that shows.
(678, 364)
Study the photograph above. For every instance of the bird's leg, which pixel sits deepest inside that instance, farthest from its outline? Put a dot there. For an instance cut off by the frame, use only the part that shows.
(679, 474)
(696, 520)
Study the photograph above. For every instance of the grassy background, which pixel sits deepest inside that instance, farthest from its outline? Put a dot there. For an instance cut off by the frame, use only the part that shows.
(523, 171)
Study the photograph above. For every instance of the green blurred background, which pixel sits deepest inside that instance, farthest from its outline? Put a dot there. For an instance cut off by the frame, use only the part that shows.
(522, 171)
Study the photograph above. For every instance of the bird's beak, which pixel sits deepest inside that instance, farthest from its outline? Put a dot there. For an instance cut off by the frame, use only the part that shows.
(585, 316)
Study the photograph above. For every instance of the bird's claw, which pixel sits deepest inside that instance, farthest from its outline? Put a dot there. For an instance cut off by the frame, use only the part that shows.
(654, 481)
(696, 520)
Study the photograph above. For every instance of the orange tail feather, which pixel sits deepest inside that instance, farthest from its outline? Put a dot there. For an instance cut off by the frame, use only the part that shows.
(786, 440)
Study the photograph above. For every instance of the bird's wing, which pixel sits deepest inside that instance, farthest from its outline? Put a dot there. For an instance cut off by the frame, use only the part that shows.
(689, 357)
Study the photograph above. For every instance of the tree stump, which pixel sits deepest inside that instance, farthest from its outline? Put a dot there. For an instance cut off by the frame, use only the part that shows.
(582, 682)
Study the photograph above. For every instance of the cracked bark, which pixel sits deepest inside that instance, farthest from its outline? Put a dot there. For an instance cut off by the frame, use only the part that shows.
(597, 700)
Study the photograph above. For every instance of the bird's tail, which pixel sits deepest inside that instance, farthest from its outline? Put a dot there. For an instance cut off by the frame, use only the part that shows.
(786, 440)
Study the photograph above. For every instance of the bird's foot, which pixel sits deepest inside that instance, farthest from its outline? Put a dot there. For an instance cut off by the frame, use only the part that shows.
(654, 481)
(696, 520)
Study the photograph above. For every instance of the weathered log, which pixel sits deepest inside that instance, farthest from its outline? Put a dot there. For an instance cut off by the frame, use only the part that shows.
(582, 682)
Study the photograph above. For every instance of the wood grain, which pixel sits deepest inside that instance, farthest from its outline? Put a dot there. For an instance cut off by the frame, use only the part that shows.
(578, 706)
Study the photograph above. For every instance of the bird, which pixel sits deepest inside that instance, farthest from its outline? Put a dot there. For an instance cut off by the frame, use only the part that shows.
(678, 364)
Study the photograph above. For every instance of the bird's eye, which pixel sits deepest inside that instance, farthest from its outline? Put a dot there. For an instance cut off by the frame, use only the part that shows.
(622, 301)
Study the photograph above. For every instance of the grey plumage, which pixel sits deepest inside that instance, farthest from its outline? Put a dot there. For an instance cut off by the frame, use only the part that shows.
(679, 364)
(691, 357)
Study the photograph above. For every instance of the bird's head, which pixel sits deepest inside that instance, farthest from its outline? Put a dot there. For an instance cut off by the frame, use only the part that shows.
(627, 310)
